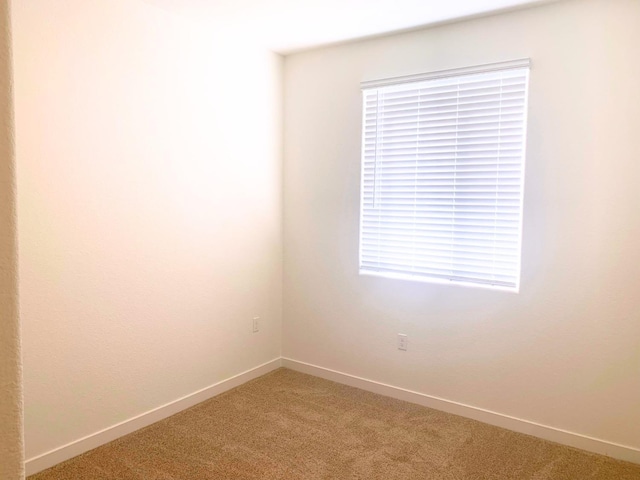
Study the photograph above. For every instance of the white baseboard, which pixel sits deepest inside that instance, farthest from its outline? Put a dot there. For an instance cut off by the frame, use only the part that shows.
(77, 447)
(576, 440)
(82, 445)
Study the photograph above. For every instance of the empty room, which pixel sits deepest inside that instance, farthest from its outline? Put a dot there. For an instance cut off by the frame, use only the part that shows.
(319, 239)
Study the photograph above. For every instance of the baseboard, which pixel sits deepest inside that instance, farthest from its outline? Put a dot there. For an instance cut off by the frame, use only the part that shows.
(73, 449)
(583, 442)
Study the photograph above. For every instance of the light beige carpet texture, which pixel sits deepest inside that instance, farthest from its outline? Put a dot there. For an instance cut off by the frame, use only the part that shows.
(287, 425)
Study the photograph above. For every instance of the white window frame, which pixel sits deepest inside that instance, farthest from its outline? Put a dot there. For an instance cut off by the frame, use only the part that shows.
(497, 280)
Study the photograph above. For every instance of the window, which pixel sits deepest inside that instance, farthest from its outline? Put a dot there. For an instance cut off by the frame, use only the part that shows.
(442, 175)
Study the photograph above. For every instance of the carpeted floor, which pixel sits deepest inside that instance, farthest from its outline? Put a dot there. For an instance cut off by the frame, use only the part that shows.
(287, 425)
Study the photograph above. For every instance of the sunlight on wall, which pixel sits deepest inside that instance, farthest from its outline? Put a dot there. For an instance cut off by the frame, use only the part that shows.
(149, 203)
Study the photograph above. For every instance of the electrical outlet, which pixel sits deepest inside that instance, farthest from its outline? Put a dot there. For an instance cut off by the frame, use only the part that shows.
(256, 324)
(403, 341)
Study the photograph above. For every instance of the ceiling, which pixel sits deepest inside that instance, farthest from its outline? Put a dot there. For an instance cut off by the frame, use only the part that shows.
(286, 26)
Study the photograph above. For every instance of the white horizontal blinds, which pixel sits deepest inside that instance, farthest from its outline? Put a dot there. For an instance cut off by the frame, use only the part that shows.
(443, 164)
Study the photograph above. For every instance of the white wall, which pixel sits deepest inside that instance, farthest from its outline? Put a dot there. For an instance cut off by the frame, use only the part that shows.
(11, 446)
(149, 210)
(565, 351)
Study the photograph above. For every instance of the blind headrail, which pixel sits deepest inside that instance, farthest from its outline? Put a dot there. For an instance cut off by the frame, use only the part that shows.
(419, 77)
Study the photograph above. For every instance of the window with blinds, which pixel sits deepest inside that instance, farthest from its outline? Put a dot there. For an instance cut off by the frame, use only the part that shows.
(442, 175)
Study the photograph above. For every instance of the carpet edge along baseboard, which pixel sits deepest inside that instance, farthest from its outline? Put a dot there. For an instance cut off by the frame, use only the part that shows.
(77, 447)
(53, 457)
(563, 437)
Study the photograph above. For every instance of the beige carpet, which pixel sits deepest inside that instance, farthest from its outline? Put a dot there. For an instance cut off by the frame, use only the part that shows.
(287, 425)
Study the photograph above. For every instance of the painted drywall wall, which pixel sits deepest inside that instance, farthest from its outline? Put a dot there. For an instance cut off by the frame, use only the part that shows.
(565, 351)
(149, 210)
(11, 444)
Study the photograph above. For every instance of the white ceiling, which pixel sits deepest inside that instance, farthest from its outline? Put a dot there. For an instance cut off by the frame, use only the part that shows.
(286, 26)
